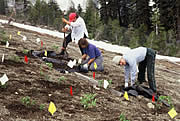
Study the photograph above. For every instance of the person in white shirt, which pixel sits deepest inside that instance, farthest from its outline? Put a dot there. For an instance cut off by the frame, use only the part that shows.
(78, 30)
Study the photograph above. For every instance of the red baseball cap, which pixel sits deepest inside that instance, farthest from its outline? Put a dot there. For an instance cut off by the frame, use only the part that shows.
(72, 16)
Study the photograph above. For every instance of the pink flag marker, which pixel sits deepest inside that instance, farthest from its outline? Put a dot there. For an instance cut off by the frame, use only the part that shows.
(71, 91)
(41, 43)
(26, 59)
(93, 75)
(153, 99)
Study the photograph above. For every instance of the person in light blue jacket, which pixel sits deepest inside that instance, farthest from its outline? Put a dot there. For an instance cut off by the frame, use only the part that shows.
(146, 59)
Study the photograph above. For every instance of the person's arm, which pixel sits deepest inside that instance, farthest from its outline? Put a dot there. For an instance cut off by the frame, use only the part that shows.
(133, 72)
(73, 24)
(91, 60)
(126, 73)
(84, 56)
(66, 21)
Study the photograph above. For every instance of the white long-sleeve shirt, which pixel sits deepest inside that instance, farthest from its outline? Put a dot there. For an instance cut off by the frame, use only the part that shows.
(78, 29)
(133, 57)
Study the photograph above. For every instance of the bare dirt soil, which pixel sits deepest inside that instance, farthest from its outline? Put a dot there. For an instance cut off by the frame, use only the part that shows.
(38, 81)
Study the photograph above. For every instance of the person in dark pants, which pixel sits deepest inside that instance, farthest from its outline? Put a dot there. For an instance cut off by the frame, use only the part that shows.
(146, 59)
(78, 30)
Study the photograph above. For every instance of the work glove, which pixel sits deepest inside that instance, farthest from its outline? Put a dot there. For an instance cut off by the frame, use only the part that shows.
(126, 84)
(85, 66)
(79, 61)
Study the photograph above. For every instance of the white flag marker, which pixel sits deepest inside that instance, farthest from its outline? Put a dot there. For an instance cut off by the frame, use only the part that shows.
(24, 38)
(7, 44)
(106, 83)
(4, 79)
(70, 64)
(3, 58)
(38, 40)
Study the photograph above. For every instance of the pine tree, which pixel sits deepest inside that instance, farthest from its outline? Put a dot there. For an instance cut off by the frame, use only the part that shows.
(92, 19)
(2, 7)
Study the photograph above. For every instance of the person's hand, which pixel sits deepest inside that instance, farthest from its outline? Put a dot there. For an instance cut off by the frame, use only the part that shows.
(64, 29)
(64, 20)
(85, 66)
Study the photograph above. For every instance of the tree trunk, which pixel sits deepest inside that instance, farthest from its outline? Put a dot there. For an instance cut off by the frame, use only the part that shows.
(178, 26)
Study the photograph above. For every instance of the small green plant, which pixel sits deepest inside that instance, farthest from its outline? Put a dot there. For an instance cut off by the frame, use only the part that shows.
(3, 86)
(15, 58)
(123, 118)
(88, 100)
(109, 81)
(47, 77)
(162, 99)
(62, 78)
(27, 101)
(100, 82)
(42, 106)
(50, 65)
(54, 47)
(25, 51)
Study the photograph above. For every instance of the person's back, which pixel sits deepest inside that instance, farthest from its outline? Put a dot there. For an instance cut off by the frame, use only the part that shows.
(135, 55)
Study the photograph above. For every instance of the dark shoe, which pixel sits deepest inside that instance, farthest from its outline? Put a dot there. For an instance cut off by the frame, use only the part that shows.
(140, 82)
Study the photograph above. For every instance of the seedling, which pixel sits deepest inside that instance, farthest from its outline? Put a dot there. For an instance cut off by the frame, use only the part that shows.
(47, 77)
(162, 99)
(123, 118)
(3, 86)
(88, 100)
(27, 101)
(25, 51)
(100, 82)
(109, 81)
(50, 65)
(62, 78)
(42, 106)
(15, 58)
(54, 47)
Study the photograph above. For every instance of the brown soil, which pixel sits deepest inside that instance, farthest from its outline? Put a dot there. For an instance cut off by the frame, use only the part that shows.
(27, 80)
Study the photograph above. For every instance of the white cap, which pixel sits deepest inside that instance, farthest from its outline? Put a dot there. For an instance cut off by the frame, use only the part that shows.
(116, 59)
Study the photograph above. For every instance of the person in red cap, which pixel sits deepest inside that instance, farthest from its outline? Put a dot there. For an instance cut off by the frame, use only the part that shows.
(78, 30)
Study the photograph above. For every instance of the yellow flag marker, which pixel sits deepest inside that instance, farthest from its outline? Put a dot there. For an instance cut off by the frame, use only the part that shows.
(126, 95)
(172, 113)
(10, 36)
(52, 108)
(19, 33)
(95, 65)
(45, 53)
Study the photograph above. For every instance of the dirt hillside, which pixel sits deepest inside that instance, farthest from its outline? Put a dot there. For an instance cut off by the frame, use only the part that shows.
(41, 83)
